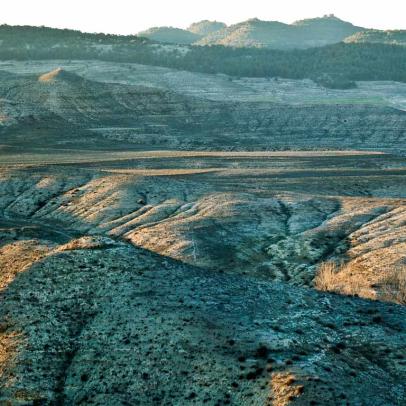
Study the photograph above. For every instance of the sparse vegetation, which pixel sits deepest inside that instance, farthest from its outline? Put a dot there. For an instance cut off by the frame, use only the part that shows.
(393, 286)
(346, 278)
(170, 35)
(312, 32)
(349, 279)
(326, 277)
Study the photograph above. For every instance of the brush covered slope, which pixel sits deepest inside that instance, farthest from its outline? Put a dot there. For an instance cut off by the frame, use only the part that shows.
(206, 27)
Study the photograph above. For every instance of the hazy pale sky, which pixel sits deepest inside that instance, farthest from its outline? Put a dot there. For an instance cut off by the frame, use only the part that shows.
(131, 16)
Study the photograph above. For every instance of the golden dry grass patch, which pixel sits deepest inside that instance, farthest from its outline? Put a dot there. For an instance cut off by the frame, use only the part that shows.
(285, 389)
(348, 279)
(393, 286)
(17, 257)
(355, 279)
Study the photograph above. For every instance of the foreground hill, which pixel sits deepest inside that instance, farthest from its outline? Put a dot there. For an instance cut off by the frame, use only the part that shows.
(393, 37)
(272, 34)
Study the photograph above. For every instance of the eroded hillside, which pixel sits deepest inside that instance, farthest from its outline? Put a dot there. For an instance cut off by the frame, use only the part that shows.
(189, 277)
(162, 236)
(95, 105)
(252, 215)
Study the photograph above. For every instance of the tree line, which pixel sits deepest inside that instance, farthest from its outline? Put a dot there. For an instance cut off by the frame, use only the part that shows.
(338, 65)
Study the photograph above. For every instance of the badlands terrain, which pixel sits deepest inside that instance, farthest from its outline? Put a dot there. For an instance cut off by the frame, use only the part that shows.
(163, 236)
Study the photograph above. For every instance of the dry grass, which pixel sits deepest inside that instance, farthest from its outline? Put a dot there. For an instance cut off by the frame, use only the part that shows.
(348, 279)
(17, 257)
(285, 389)
(393, 286)
(355, 279)
(326, 277)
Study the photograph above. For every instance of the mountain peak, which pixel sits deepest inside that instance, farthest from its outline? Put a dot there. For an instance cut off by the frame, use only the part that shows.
(170, 35)
(206, 27)
(326, 18)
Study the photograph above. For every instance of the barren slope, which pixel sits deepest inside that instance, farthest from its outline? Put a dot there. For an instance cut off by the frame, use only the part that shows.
(67, 110)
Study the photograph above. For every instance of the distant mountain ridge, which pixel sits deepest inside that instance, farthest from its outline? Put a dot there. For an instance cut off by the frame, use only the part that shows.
(302, 34)
(273, 34)
(257, 33)
(335, 66)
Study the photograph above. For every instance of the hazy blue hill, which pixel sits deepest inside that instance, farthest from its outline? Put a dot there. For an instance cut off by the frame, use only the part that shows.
(392, 37)
(206, 27)
(170, 35)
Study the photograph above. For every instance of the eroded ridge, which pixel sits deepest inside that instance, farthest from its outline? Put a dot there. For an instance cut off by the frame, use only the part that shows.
(189, 279)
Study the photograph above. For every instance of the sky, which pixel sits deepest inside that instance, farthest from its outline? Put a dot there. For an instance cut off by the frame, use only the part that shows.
(132, 16)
